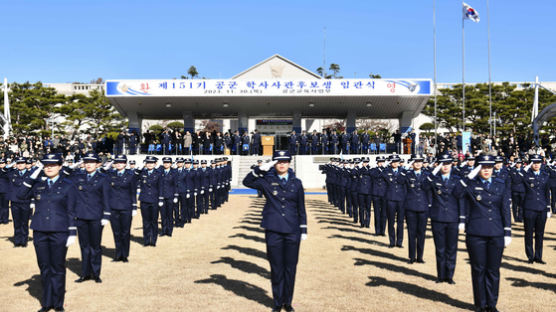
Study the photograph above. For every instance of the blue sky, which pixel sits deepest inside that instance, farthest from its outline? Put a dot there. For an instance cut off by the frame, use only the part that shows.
(66, 41)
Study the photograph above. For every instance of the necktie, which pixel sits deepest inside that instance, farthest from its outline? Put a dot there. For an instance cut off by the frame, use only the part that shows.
(120, 174)
(283, 180)
(487, 185)
(88, 177)
(49, 183)
(21, 173)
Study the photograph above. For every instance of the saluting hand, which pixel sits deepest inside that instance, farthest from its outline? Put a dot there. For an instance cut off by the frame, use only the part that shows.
(266, 166)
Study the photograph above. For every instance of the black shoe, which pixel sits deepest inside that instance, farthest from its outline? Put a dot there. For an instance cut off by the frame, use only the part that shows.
(391, 246)
(289, 308)
(124, 259)
(540, 261)
(420, 261)
(98, 280)
(44, 309)
(530, 261)
(450, 281)
(60, 309)
(276, 309)
(438, 281)
(411, 261)
(82, 279)
(116, 259)
(399, 246)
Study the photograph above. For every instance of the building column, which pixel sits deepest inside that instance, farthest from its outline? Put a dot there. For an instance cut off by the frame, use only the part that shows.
(406, 120)
(188, 122)
(243, 123)
(226, 125)
(135, 123)
(350, 122)
(296, 122)
(308, 124)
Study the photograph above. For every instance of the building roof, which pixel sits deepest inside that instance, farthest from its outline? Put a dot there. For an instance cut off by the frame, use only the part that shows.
(275, 67)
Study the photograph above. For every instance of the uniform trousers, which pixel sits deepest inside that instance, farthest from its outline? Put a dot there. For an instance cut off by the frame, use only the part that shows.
(21, 212)
(534, 222)
(89, 233)
(166, 216)
(149, 214)
(120, 221)
(485, 256)
(445, 235)
(4, 209)
(379, 206)
(50, 248)
(396, 214)
(282, 251)
(416, 229)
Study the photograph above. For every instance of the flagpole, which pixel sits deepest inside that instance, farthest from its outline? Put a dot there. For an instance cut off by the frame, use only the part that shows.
(463, 67)
(434, 57)
(489, 71)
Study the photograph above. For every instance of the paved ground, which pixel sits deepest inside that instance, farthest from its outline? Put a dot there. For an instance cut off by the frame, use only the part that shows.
(218, 263)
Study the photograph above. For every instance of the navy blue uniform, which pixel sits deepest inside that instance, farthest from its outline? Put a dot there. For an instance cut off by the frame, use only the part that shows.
(293, 143)
(354, 187)
(445, 212)
(284, 220)
(518, 193)
(92, 205)
(395, 196)
(21, 208)
(123, 200)
(416, 207)
(52, 223)
(364, 193)
(487, 220)
(168, 191)
(4, 201)
(379, 203)
(150, 189)
(535, 207)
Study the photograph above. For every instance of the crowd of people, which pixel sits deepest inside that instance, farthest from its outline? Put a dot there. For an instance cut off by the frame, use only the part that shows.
(478, 195)
(66, 200)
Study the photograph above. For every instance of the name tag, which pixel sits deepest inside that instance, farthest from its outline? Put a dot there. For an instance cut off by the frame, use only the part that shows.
(274, 184)
(478, 188)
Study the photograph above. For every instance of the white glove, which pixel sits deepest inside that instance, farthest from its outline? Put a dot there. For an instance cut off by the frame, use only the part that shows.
(507, 241)
(210, 189)
(435, 171)
(461, 226)
(32, 206)
(70, 241)
(175, 200)
(474, 172)
(107, 165)
(268, 165)
(104, 222)
(187, 195)
(202, 192)
(303, 237)
(549, 215)
(138, 191)
(134, 212)
(37, 171)
(195, 193)
(76, 165)
(218, 187)
(160, 204)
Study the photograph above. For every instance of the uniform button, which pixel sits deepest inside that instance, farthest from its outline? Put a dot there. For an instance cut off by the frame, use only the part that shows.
(283, 206)
(490, 210)
(47, 218)
(283, 215)
(489, 219)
